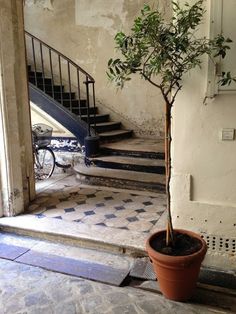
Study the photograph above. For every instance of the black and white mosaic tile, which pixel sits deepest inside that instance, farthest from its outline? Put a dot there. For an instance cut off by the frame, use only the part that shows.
(97, 206)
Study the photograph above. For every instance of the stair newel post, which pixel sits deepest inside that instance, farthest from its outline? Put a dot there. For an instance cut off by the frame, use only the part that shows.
(34, 60)
(91, 142)
(79, 94)
(88, 105)
(69, 79)
(51, 69)
(94, 106)
(42, 65)
(60, 76)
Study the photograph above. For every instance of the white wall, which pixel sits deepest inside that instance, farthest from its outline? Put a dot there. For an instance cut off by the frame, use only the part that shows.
(39, 116)
(204, 166)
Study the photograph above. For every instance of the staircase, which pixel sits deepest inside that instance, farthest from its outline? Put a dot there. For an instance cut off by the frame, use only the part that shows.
(123, 161)
(106, 129)
(135, 163)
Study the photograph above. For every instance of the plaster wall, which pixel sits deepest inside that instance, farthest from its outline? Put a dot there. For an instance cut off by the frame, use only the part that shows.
(84, 31)
(16, 162)
(39, 116)
(203, 185)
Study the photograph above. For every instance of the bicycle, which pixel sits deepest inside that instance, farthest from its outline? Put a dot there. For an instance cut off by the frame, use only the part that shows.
(44, 157)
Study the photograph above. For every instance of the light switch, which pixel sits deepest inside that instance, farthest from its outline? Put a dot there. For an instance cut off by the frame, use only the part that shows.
(227, 135)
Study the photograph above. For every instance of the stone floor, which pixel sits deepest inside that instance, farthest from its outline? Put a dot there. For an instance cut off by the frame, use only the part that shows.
(68, 200)
(25, 289)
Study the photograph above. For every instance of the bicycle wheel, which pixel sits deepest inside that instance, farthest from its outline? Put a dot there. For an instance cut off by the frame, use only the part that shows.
(44, 163)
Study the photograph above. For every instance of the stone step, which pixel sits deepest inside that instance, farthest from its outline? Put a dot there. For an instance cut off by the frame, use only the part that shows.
(73, 260)
(119, 178)
(131, 163)
(135, 147)
(82, 235)
(115, 135)
(40, 80)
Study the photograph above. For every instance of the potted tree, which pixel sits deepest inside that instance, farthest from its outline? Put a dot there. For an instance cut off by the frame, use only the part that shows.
(162, 52)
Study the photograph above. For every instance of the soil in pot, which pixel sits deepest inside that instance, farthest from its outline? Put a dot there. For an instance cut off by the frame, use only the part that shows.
(184, 244)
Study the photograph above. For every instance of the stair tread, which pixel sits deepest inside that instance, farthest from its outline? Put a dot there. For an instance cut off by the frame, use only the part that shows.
(114, 132)
(131, 160)
(137, 144)
(99, 115)
(120, 174)
(105, 123)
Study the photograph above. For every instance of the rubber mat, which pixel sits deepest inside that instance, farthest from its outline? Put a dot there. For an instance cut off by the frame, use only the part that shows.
(143, 269)
(83, 269)
(11, 252)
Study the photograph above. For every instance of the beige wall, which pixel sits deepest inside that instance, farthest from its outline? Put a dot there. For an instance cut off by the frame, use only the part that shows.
(16, 162)
(204, 166)
(39, 116)
(84, 30)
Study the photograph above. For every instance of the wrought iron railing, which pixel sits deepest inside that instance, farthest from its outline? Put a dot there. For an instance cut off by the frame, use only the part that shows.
(63, 72)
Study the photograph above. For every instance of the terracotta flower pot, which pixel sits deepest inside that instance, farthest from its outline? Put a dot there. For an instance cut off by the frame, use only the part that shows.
(177, 275)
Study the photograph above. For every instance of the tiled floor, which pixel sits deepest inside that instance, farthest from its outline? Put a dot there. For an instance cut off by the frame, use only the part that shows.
(67, 200)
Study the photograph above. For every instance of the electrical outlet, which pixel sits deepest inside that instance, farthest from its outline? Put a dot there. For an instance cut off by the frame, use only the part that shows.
(227, 134)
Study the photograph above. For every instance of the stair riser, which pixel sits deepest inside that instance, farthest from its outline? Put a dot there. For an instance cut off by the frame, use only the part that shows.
(107, 128)
(130, 167)
(74, 103)
(114, 138)
(40, 81)
(97, 119)
(151, 155)
(49, 88)
(122, 184)
(32, 73)
(83, 111)
(64, 95)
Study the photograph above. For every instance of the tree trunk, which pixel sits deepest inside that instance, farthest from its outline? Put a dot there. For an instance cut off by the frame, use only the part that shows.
(169, 227)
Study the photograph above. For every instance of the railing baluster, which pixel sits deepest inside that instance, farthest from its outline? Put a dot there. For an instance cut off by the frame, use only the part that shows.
(79, 94)
(90, 92)
(59, 63)
(68, 67)
(50, 60)
(88, 111)
(35, 67)
(42, 64)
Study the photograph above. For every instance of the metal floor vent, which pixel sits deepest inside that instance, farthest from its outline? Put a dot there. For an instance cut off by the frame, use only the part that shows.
(220, 244)
(142, 269)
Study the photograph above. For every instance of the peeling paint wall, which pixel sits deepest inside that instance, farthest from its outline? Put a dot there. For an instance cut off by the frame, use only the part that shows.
(84, 31)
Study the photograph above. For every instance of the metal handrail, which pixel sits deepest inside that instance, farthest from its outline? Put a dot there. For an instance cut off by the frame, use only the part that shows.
(88, 79)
